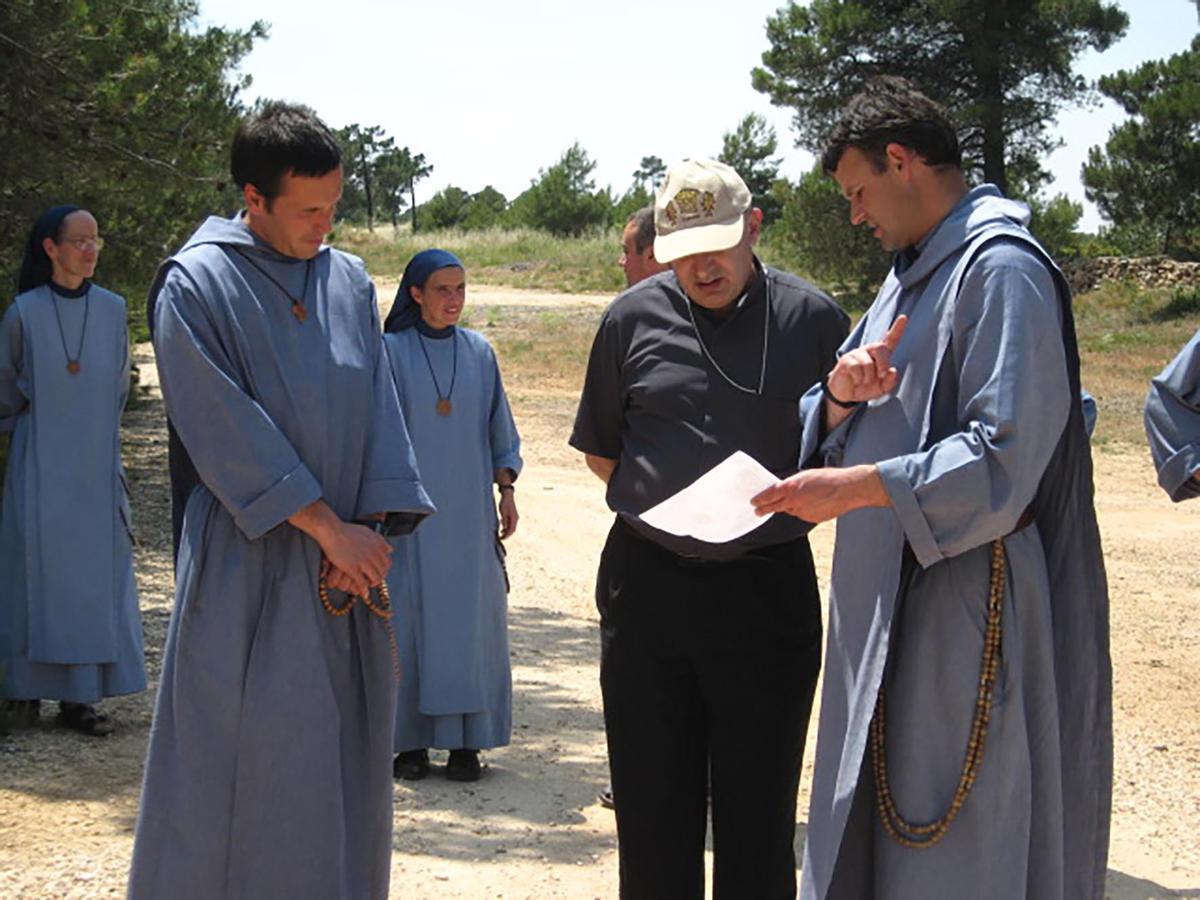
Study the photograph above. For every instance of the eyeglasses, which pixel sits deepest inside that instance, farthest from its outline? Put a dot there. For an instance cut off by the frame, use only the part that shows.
(81, 244)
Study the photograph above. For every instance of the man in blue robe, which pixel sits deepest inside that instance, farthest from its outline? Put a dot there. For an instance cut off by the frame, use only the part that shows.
(268, 773)
(965, 739)
(1172, 420)
(448, 580)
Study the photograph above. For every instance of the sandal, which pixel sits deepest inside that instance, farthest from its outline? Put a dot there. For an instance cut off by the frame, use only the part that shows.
(84, 718)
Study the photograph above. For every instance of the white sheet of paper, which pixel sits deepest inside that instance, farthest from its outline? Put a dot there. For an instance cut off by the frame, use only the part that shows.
(716, 506)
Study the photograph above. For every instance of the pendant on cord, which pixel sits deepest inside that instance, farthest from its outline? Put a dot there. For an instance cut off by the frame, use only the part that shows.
(73, 366)
(443, 406)
(299, 312)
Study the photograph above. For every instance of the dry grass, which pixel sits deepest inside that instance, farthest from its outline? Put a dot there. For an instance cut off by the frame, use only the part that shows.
(519, 257)
(1126, 336)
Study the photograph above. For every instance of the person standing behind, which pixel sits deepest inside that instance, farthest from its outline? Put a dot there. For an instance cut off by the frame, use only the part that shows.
(267, 775)
(638, 262)
(637, 248)
(965, 738)
(1172, 420)
(709, 652)
(69, 624)
(448, 580)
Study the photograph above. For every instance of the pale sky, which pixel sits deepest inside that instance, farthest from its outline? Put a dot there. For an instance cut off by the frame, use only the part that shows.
(492, 92)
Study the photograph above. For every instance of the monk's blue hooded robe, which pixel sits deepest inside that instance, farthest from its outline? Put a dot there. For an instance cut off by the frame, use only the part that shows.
(1172, 419)
(268, 774)
(985, 424)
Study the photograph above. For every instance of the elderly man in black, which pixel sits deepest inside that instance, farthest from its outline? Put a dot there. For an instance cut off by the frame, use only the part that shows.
(709, 652)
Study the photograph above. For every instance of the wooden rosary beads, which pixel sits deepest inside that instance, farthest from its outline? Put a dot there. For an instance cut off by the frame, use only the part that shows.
(383, 609)
(921, 836)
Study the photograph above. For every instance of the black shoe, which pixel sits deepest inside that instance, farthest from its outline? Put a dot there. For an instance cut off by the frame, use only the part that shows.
(84, 718)
(606, 798)
(411, 765)
(463, 765)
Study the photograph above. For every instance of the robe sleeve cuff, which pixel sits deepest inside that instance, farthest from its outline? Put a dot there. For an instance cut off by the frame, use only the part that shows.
(274, 506)
(510, 461)
(1176, 473)
(393, 495)
(908, 511)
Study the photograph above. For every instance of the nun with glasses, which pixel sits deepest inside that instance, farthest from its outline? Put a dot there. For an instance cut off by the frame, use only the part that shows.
(447, 580)
(69, 624)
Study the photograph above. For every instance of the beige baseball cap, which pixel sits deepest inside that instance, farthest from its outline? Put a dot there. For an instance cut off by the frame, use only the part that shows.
(700, 208)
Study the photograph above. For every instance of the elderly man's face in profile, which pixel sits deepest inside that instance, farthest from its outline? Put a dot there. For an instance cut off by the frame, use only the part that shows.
(637, 265)
(714, 280)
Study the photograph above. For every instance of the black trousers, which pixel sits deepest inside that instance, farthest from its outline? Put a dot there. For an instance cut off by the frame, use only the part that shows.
(706, 667)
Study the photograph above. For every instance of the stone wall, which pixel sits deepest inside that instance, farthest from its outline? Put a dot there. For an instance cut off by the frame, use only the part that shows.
(1085, 274)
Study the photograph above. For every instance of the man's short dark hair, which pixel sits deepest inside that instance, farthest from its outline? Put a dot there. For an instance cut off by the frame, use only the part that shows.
(644, 236)
(890, 110)
(281, 139)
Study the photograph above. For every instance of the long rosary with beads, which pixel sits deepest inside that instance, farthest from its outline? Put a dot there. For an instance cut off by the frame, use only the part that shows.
(919, 836)
(382, 609)
(762, 373)
(72, 361)
(298, 308)
(443, 402)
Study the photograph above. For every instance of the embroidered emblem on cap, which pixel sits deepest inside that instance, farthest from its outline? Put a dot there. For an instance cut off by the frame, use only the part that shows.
(690, 204)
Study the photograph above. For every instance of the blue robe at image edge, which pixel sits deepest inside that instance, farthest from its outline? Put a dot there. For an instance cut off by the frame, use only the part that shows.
(268, 774)
(1172, 420)
(69, 622)
(985, 422)
(447, 579)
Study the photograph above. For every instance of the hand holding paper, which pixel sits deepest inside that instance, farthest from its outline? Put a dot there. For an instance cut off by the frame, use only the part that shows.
(716, 506)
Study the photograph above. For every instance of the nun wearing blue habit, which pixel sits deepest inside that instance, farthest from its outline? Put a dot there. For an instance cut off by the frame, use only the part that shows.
(69, 624)
(1172, 419)
(267, 775)
(448, 580)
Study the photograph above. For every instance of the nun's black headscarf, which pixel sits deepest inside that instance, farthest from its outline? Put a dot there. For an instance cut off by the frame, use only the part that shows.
(405, 312)
(36, 267)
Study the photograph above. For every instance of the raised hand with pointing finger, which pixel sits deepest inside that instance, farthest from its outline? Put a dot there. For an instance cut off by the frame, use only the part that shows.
(867, 372)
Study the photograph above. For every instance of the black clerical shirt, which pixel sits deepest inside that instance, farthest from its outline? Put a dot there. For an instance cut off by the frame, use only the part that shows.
(655, 402)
